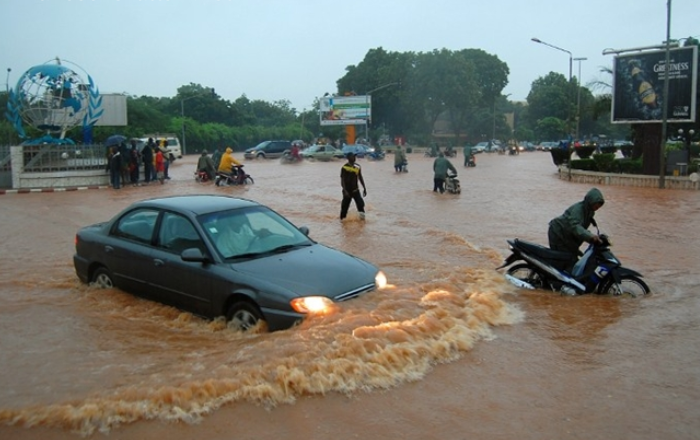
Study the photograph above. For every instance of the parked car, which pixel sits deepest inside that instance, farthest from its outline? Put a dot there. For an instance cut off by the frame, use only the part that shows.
(322, 152)
(173, 142)
(267, 150)
(526, 146)
(215, 255)
(359, 150)
(547, 145)
(480, 147)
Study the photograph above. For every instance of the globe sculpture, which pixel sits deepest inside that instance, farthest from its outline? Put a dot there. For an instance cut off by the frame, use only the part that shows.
(53, 98)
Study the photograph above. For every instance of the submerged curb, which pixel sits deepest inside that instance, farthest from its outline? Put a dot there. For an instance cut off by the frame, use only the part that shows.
(50, 190)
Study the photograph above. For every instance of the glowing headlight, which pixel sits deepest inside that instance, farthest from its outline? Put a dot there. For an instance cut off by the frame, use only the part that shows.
(380, 280)
(311, 304)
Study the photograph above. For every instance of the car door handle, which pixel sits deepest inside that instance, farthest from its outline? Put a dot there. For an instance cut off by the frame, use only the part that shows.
(158, 262)
(109, 249)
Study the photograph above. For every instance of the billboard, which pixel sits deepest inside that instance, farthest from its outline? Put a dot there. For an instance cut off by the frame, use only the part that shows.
(638, 86)
(114, 114)
(345, 110)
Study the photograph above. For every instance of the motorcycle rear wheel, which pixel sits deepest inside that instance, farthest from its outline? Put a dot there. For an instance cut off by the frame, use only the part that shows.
(629, 285)
(524, 272)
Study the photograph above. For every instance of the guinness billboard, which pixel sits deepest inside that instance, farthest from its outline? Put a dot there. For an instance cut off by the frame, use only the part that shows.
(638, 86)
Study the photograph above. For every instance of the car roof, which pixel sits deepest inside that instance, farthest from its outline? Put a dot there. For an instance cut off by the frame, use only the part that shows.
(197, 204)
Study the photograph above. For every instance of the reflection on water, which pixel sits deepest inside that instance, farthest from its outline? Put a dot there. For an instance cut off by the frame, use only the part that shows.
(88, 359)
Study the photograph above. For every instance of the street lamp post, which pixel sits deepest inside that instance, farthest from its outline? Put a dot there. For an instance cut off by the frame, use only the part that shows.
(571, 59)
(578, 99)
(367, 95)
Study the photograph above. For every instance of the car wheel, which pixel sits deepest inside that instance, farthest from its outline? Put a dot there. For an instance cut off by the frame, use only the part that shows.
(103, 278)
(261, 156)
(243, 316)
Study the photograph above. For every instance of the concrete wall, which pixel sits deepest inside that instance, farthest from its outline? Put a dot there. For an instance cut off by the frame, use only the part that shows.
(638, 180)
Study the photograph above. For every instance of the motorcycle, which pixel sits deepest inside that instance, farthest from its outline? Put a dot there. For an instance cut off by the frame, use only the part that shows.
(449, 152)
(288, 157)
(597, 271)
(513, 150)
(375, 155)
(472, 161)
(452, 184)
(236, 177)
(201, 176)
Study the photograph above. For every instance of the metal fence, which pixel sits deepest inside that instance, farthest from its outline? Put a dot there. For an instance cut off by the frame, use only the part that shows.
(50, 158)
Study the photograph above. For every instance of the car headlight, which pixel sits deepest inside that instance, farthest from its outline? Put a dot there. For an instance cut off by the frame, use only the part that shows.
(311, 304)
(380, 280)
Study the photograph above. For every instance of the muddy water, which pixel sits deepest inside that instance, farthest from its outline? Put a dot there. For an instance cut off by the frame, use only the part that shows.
(448, 351)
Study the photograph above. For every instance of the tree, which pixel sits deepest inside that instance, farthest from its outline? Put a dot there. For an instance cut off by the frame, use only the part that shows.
(551, 127)
(549, 97)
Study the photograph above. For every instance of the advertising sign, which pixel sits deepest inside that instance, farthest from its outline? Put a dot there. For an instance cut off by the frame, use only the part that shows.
(638, 86)
(345, 110)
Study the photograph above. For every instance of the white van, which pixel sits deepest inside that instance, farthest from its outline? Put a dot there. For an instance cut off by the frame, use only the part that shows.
(173, 142)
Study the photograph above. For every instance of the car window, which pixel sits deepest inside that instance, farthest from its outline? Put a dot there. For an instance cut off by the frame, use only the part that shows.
(137, 225)
(255, 230)
(177, 233)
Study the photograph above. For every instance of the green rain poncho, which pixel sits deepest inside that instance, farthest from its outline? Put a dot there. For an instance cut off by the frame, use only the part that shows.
(568, 231)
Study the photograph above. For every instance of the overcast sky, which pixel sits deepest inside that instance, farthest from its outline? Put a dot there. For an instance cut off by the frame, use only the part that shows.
(296, 50)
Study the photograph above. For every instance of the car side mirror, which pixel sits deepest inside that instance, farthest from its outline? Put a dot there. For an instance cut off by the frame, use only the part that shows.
(304, 230)
(194, 255)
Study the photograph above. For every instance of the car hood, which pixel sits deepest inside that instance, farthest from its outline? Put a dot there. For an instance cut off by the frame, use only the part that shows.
(312, 270)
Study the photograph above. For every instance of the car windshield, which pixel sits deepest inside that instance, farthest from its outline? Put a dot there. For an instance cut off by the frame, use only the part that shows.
(251, 232)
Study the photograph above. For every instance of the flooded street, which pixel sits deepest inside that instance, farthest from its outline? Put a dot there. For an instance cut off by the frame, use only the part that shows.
(449, 351)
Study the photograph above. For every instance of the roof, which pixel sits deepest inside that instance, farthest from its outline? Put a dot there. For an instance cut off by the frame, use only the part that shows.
(199, 204)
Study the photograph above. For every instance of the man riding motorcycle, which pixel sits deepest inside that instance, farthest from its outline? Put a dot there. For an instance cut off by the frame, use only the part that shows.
(568, 231)
(206, 164)
(229, 165)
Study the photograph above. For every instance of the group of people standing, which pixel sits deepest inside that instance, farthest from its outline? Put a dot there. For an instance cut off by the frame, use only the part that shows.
(124, 163)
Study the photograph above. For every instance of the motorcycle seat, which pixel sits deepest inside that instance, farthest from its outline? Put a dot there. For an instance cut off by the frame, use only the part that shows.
(558, 258)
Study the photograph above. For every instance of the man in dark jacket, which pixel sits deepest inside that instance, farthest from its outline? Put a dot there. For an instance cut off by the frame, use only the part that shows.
(441, 166)
(206, 164)
(568, 231)
(147, 157)
(350, 178)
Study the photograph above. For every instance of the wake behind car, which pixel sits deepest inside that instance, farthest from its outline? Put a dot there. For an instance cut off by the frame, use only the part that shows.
(214, 255)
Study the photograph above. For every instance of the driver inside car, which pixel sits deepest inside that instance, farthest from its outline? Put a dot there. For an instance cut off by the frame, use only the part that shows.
(234, 236)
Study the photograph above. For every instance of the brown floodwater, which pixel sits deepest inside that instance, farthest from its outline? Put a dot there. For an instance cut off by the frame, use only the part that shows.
(449, 351)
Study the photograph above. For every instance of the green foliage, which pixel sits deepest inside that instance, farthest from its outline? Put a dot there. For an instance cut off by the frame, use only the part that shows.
(550, 96)
(605, 162)
(629, 165)
(550, 128)
(694, 150)
(584, 164)
(585, 151)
